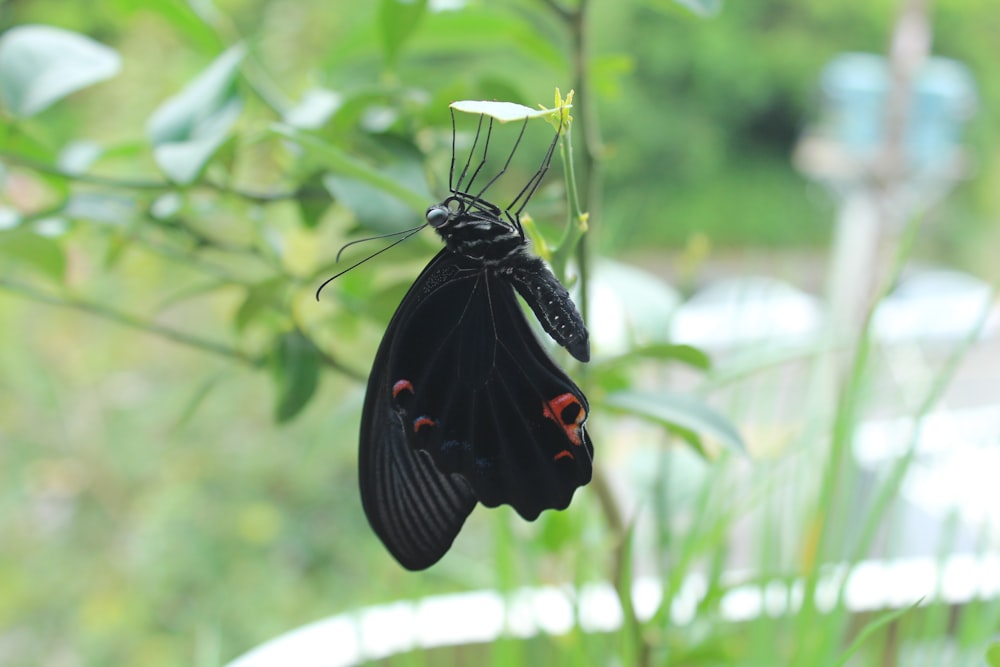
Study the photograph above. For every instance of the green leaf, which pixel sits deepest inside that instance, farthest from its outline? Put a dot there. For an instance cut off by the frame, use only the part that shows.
(196, 400)
(678, 411)
(9, 217)
(483, 30)
(686, 354)
(181, 116)
(397, 20)
(372, 207)
(502, 111)
(870, 629)
(77, 156)
(39, 252)
(40, 65)
(328, 156)
(296, 365)
(614, 373)
(183, 16)
(167, 206)
(111, 209)
(993, 655)
(314, 110)
(184, 161)
(260, 299)
(188, 129)
(30, 145)
(313, 199)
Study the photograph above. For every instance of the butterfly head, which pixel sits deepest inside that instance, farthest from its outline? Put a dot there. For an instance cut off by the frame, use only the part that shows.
(474, 227)
(441, 214)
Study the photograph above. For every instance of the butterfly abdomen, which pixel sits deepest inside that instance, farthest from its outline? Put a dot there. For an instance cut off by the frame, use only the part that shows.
(549, 300)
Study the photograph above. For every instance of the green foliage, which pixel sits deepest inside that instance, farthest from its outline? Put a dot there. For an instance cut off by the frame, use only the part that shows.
(993, 654)
(397, 20)
(296, 364)
(40, 65)
(870, 629)
(183, 174)
(686, 417)
(188, 129)
(40, 252)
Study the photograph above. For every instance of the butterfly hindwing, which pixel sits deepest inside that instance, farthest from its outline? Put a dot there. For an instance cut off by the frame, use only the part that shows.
(475, 390)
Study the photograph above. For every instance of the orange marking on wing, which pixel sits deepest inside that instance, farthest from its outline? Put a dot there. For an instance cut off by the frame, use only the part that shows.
(420, 422)
(554, 409)
(563, 454)
(402, 385)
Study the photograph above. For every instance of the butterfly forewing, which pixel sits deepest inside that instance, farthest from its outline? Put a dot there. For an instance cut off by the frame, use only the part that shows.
(415, 509)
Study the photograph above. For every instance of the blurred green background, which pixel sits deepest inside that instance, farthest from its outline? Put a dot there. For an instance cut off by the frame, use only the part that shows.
(178, 416)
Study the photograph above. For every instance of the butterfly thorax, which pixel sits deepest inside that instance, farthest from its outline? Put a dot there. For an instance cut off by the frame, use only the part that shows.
(473, 228)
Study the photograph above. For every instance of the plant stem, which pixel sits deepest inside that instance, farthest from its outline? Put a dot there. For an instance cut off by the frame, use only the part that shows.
(576, 218)
(136, 184)
(583, 203)
(131, 321)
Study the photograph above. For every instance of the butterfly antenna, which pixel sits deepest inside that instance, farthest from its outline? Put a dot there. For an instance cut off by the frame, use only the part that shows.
(505, 164)
(529, 189)
(472, 151)
(451, 169)
(482, 161)
(371, 256)
(379, 236)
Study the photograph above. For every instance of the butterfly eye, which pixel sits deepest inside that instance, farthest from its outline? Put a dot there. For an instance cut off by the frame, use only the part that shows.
(437, 216)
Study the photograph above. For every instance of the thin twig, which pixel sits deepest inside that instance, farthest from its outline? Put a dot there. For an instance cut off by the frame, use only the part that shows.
(335, 364)
(131, 321)
(125, 319)
(137, 184)
(559, 9)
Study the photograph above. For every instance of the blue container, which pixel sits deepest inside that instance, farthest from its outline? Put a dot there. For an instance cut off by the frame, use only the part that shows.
(855, 89)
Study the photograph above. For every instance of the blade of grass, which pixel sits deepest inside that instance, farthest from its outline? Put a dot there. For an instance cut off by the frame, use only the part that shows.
(632, 644)
(820, 529)
(506, 650)
(870, 629)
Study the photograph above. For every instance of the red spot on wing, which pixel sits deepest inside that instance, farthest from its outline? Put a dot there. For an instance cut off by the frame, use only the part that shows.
(401, 385)
(555, 409)
(563, 454)
(421, 422)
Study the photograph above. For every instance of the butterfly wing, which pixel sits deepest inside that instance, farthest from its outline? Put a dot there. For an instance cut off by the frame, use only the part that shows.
(475, 390)
(415, 510)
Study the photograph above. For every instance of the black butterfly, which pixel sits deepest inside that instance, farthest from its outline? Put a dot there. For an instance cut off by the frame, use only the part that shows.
(463, 404)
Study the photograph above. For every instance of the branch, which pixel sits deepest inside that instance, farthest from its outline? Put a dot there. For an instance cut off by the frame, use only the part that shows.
(125, 319)
(136, 184)
(559, 10)
(336, 365)
(131, 321)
